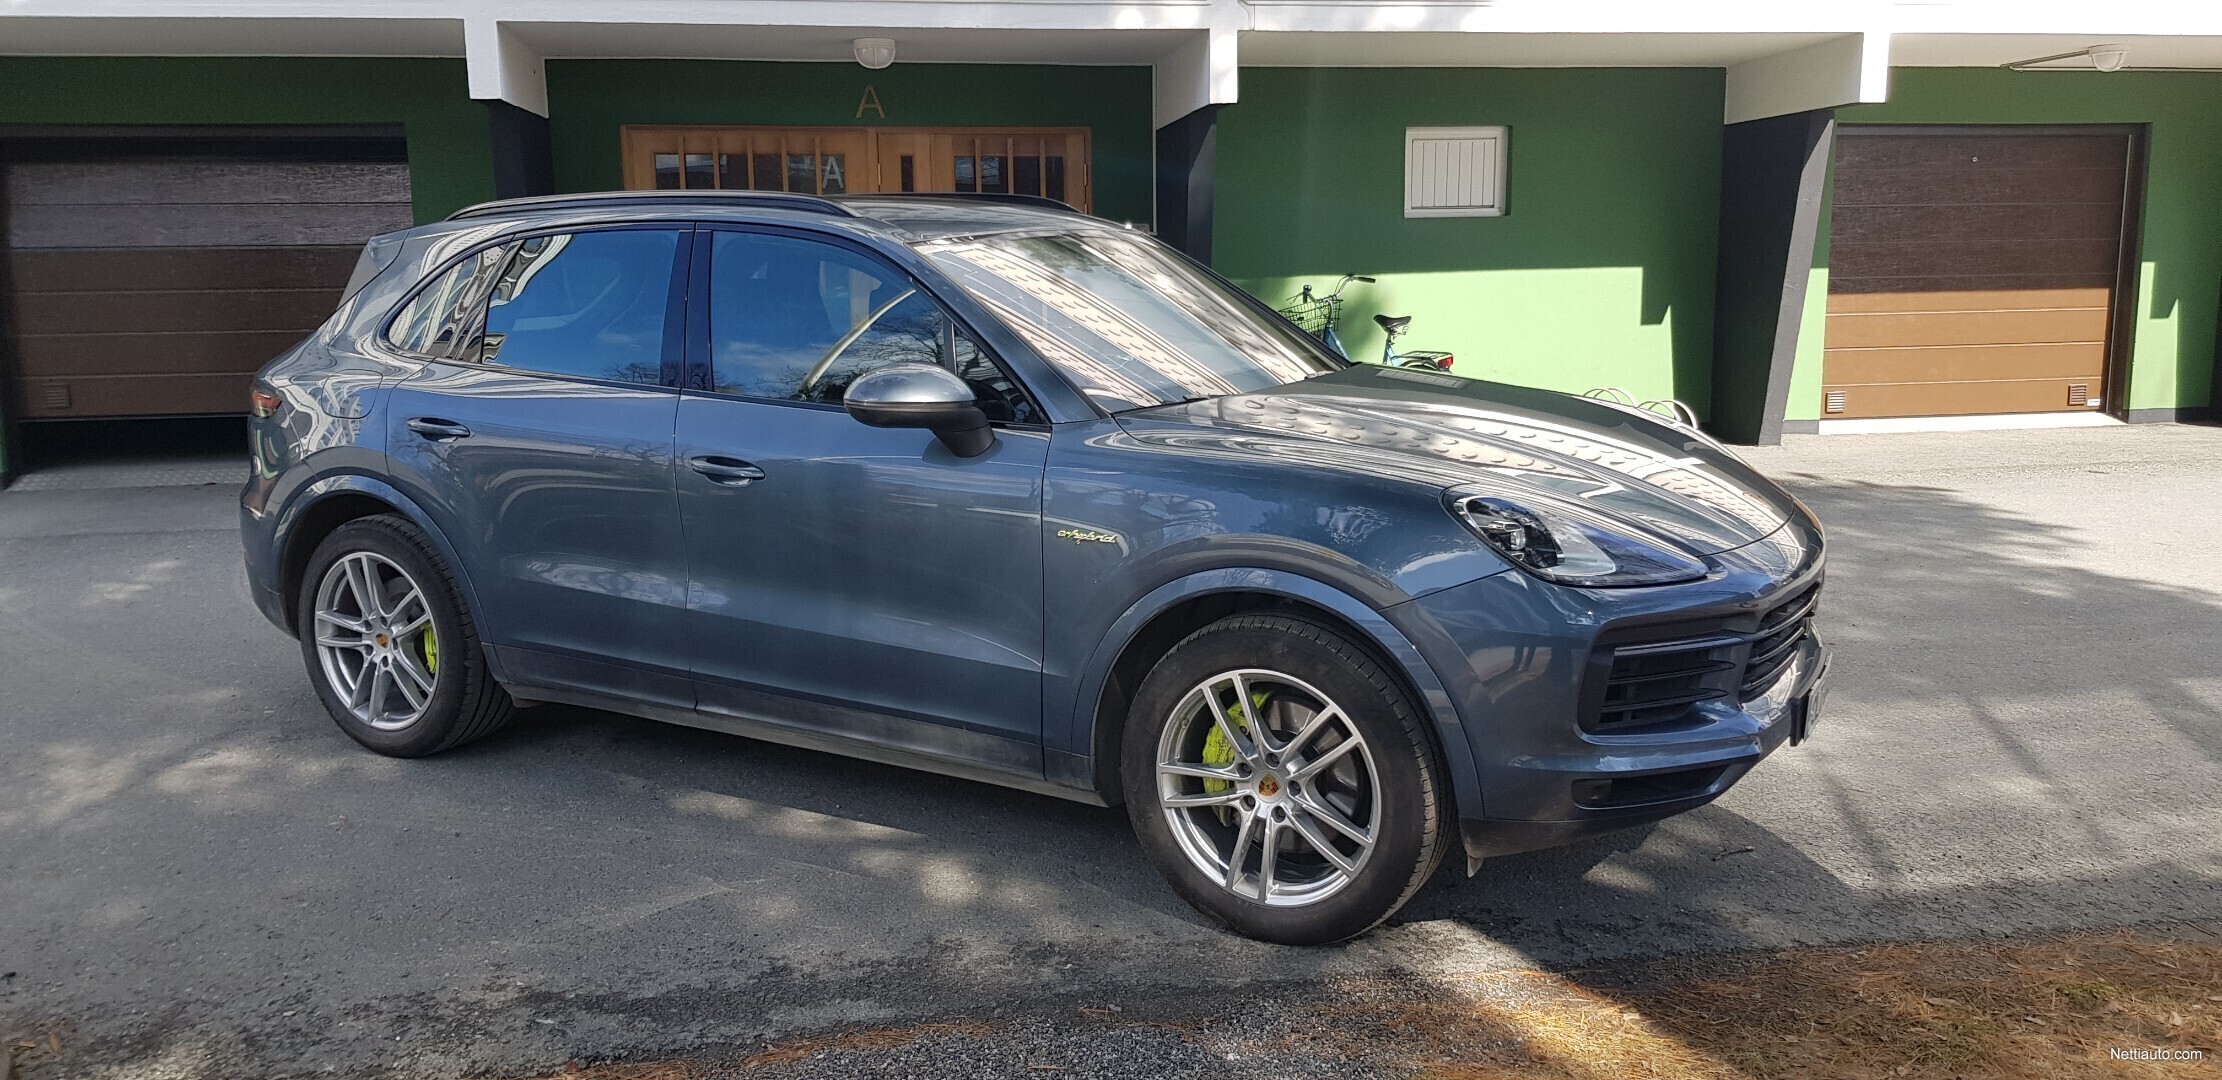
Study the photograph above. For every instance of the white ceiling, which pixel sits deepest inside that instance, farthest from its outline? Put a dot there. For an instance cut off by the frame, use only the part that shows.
(1375, 48)
(912, 45)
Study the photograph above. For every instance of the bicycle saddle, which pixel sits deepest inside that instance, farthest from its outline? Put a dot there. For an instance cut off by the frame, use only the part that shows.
(1394, 324)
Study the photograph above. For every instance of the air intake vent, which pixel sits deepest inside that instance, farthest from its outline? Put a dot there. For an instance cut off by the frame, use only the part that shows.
(56, 397)
(1835, 401)
(2079, 393)
(1657, 684)
(1780, 632)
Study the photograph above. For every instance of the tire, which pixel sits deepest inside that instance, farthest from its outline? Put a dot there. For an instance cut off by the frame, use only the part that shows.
(1370, 760)
(435, 642)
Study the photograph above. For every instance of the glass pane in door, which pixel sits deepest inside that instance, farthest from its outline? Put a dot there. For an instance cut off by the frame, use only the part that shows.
(764, 175)
(966, 181)
(991, 175)
(833, 169)
(667, 171)
(700, 173)
(802, 174)
(1053, 178)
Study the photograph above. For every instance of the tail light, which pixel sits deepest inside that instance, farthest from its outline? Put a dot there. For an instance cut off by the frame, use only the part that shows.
(1444, 361)
(263, 404)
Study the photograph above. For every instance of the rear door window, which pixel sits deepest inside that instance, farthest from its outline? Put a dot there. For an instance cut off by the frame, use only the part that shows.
(592, 305)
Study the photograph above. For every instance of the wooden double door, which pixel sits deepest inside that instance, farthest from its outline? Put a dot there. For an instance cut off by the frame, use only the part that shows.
(1051, 162)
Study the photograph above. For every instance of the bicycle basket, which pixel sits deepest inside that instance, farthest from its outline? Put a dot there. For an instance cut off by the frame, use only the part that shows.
(1310, 316)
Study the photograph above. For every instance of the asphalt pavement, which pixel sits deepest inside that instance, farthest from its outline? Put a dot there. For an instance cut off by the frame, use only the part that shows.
(201, 877)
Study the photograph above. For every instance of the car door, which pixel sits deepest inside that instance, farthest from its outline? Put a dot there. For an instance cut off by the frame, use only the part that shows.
(538, 435)
(848, 579)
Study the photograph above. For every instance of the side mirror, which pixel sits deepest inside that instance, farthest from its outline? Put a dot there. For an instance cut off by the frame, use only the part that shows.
(912, 395)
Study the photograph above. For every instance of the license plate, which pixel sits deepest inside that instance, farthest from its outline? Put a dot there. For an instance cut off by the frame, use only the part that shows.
(1806, 712)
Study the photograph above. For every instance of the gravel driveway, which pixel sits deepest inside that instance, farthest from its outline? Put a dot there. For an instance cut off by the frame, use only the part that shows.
(200, 877)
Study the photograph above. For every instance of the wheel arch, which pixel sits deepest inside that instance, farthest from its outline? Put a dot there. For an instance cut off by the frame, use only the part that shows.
(1157, 622)
(327, 504)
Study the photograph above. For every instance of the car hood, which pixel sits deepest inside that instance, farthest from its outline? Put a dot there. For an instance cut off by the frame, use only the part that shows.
(1456, 432)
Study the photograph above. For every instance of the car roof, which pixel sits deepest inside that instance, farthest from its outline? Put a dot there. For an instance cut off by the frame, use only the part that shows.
(905, 217)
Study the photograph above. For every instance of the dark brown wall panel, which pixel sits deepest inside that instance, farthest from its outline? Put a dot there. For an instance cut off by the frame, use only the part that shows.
(150, 354)
(183, 268)
(141, 395)
(182, 311)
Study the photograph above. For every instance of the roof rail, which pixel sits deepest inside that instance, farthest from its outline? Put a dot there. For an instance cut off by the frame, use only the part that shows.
(1042, 201)
(597, 200)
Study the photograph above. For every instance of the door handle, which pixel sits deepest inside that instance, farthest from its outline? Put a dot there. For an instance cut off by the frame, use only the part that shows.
(438, 430)
(732, 472)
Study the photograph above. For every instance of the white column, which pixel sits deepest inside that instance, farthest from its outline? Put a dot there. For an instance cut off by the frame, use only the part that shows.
(1845, 70)
(1202, 71)
(502, 67)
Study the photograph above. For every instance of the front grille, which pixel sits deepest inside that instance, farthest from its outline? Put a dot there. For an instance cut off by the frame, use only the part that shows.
(1647, 685)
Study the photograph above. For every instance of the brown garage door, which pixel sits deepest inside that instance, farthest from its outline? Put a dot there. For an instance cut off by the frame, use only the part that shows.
(155, 288)
(1972, 271)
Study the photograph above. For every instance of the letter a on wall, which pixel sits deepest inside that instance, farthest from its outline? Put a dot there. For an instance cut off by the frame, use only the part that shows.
(870, 101)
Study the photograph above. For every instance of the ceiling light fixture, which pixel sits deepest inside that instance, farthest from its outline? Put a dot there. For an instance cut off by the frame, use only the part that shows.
(2102, 58)
(874, 53)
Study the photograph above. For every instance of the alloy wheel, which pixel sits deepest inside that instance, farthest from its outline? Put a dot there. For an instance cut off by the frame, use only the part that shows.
(375, 640)
(1268, 787)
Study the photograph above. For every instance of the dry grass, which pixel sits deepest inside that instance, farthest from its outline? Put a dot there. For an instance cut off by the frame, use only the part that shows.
(1983, 1010)
(1992, 1010)
(786, 1053)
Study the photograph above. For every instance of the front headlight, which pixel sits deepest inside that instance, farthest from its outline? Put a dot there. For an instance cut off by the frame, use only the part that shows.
(1571, 545)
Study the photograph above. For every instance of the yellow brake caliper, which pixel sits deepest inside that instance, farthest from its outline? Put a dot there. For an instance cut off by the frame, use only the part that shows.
(431, 653)
(1219, 750)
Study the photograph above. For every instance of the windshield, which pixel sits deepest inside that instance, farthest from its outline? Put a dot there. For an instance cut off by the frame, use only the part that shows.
(1130, 322)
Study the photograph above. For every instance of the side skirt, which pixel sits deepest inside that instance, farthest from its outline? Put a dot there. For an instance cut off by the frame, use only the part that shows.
(788, 735)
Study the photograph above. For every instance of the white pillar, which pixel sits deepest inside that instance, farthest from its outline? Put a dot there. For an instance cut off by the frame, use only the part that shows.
(1845, 70)
(502, 67)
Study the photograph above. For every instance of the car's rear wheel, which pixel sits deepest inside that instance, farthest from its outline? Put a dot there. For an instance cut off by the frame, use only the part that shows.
(1282, 781)
(390, 645)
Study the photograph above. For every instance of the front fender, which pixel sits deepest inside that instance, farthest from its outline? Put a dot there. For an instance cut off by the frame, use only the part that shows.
(1069, 725)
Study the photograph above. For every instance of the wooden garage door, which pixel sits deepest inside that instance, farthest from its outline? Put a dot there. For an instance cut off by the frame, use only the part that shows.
(1972, 272)
(145, 288)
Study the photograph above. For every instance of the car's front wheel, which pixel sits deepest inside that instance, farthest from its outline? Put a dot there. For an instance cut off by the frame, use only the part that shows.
(390, 645)
(1282, 781)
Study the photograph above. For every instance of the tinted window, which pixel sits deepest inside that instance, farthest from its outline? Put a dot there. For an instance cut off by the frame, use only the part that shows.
(431, 322)
(799, 320)
(590, 305)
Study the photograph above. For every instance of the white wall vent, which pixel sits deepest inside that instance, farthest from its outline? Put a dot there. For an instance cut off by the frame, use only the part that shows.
(1454, 171)
(1833, 401)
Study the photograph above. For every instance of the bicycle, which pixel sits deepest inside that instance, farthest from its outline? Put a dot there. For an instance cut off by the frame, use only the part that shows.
(1317, 315)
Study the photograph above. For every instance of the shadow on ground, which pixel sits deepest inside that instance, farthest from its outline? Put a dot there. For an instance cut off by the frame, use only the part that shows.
(211, 882)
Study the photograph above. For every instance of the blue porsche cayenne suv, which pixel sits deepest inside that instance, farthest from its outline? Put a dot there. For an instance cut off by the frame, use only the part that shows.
(992, 488)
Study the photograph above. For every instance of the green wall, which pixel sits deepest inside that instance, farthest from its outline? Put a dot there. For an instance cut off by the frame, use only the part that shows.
(2172, 355)
(1600, 272)
(590, 100)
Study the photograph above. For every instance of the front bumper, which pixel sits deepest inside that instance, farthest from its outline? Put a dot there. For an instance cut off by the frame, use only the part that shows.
(1522, 661)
